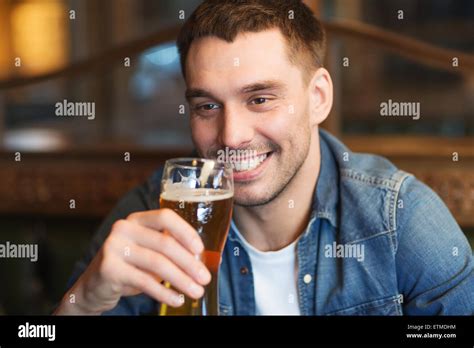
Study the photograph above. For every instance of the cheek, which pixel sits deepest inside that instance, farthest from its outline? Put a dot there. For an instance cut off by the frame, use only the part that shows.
(203, 134)
(285, 124)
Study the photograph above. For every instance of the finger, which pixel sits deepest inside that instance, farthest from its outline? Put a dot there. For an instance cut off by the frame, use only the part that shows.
(139, 279)
(160, 265)
(166, 219)
(172, 249)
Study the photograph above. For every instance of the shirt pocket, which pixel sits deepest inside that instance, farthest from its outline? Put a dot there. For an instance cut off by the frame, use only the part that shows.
(385, 306)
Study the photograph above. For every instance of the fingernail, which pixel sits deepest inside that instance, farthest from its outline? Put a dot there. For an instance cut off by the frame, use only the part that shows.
(195, 290)
(177, 300)
(203, 275)
(196, 245)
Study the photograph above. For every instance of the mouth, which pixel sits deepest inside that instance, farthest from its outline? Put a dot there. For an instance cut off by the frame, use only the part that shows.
(250, 168)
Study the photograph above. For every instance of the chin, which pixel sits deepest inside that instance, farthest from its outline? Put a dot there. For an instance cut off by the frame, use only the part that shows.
(250, 196)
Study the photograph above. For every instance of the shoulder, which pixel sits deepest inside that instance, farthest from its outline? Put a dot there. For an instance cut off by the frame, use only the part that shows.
(368, 189)
(435, 266)
(368, 169)
(375, 185)
(365, 169)
(421, 211)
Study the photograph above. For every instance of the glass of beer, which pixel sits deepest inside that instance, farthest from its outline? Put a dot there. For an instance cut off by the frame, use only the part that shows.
(201, 191)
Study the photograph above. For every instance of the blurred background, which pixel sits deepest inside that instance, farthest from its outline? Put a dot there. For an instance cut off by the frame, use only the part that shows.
(121, 55)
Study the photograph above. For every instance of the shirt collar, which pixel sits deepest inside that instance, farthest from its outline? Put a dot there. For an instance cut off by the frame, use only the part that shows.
(326, 195)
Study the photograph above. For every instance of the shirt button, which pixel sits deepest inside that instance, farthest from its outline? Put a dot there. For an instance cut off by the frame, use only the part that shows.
(244, 270)
(307, 278)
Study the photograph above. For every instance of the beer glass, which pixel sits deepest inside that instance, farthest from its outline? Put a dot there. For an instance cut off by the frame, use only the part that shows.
(201, 191)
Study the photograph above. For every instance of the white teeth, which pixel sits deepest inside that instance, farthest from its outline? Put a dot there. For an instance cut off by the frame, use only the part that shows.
(248, 164)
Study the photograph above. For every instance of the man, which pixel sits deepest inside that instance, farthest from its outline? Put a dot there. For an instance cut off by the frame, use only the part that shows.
(317, 230)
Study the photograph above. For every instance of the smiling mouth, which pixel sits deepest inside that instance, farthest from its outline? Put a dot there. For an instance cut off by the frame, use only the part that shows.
(248, 164)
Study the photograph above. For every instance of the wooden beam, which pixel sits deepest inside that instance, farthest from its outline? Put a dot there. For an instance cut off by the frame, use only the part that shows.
(413, 49)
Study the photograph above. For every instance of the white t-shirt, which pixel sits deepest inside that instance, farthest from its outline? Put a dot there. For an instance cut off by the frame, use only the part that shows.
(275, 275)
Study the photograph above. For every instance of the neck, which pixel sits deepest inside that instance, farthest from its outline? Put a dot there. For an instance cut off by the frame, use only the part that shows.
(280, 222)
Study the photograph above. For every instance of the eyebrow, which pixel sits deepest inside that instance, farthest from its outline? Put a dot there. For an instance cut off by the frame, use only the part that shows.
(198, 93)
(253, 87)
(263, 85)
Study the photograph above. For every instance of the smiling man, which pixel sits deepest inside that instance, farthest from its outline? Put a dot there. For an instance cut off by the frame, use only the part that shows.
(317, 229)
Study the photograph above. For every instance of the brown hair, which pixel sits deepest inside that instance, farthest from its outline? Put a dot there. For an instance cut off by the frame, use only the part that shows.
(226, 19)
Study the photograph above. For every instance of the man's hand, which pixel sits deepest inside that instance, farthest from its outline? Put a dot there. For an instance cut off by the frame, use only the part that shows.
(140, 252)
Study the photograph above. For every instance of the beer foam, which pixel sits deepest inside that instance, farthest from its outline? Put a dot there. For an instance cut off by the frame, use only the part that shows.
(196, 195)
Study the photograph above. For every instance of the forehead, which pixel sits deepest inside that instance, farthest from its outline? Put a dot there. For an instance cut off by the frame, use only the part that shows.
(215, 63)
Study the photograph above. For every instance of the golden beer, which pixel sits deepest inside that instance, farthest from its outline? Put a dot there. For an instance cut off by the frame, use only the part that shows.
(209, 211)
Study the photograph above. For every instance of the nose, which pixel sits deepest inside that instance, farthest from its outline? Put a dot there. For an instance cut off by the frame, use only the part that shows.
(236, 129)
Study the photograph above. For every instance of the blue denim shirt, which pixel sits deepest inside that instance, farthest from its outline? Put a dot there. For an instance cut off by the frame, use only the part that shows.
(379, 242)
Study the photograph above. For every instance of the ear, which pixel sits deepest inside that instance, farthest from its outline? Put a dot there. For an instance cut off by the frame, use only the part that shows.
(321, 96)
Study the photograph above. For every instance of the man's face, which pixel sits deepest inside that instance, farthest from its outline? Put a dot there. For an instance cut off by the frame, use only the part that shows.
(246, 95)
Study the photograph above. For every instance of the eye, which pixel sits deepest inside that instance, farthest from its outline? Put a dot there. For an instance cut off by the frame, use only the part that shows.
(208, 107)
(258, 101)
